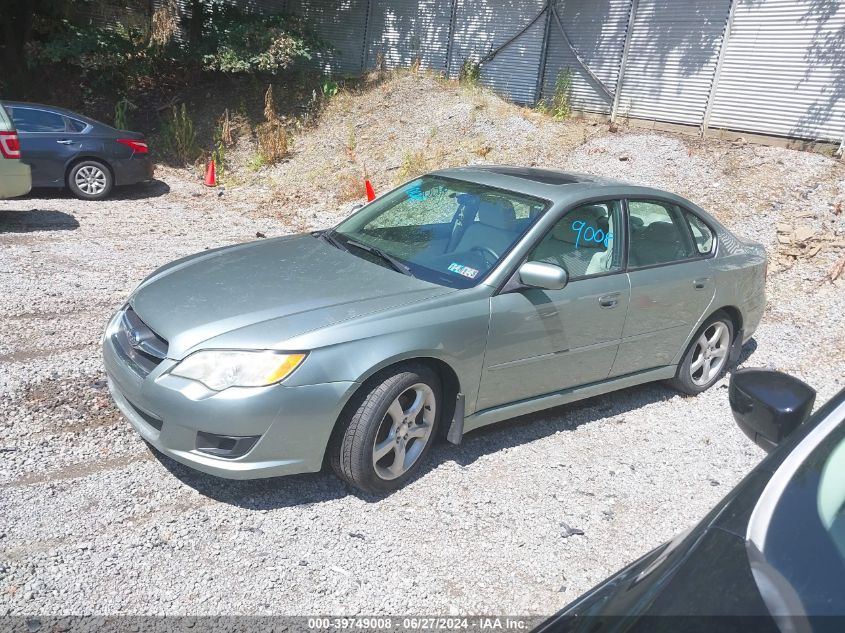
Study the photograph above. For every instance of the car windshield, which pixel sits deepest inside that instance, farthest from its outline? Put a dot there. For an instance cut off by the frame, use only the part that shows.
(805, 538)
(442, 230)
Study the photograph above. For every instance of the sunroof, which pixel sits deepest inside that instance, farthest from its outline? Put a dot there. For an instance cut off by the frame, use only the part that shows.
(545, 176)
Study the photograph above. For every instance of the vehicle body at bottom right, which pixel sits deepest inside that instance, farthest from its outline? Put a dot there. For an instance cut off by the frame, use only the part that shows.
(770, 556)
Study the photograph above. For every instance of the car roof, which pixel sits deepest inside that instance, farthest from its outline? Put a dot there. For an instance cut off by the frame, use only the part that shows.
(558, 186)
(56, 109)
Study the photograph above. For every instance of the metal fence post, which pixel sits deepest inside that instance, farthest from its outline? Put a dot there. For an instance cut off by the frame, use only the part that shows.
(451, 40)
(624, 61)
(366, 36)
(544, 54)
(705, 120)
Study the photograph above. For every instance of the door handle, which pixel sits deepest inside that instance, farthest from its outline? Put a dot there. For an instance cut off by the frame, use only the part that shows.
(65, 141)
(700, 283)
(609, 301)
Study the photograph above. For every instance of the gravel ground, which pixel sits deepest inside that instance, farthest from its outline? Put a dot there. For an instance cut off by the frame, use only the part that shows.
(92, 522)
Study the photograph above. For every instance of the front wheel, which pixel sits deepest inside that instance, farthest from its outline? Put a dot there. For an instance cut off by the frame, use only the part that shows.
(90, 180)
(706, 358)
(388, 430)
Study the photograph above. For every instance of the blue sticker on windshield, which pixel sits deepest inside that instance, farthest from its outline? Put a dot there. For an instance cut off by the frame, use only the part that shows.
(466, 271)
(415, 193)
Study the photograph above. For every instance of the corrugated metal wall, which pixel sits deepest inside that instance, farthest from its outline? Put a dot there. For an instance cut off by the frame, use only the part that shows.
(672, 58)
(341, 22)
(783, 70)
(482, 26)
(780, 71)
(405, 32)
(596, 29)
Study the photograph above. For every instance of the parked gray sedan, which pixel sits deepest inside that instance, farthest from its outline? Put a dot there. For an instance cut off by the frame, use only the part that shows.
(462, 298)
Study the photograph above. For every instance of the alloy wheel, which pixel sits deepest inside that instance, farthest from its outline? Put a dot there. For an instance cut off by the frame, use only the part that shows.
(710, 354)
(404, 432)
(90, 180)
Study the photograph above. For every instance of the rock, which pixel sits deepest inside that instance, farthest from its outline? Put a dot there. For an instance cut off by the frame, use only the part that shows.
(803, 233)
(568, 531)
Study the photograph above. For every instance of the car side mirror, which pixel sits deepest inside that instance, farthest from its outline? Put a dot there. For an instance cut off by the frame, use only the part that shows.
(769, 405)
(541, 275)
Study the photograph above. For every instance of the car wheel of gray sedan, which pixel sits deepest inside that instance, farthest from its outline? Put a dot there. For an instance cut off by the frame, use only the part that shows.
(388, 430)
(90, 180)
(706, 359)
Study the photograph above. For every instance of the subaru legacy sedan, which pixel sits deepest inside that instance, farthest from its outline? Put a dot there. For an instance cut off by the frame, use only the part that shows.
(462, 298)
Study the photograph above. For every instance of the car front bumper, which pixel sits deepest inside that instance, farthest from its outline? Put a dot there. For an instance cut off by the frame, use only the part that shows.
(290, 426)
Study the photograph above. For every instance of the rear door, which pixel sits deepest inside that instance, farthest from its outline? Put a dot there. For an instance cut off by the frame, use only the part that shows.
(48, 143)
(672, 284)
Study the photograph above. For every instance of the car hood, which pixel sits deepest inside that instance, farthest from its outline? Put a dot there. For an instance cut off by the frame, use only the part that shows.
(298, 282)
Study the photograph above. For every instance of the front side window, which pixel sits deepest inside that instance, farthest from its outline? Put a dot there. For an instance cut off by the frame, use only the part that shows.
(446, 231)
(585, 241)
(29, 120)
(657, 234)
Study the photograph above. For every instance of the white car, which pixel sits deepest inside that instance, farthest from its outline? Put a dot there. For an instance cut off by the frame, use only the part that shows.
(15, 176)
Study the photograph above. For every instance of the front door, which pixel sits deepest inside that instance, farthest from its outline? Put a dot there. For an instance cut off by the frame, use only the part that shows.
(47, 144)
(543, 341)
(672, 284)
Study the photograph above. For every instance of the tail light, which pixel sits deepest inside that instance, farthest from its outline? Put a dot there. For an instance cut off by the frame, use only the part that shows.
(139, 147)
(10, 146)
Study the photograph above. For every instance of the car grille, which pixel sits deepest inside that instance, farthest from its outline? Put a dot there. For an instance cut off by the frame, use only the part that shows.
(138, 344)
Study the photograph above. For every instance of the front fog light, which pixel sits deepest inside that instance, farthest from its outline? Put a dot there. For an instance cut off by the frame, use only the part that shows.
(220, 369)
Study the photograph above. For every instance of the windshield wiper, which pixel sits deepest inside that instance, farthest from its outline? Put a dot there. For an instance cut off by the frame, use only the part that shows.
(331, 239)
(390, 259)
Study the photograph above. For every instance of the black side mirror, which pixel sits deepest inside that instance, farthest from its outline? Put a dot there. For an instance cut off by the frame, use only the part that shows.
(769, 405)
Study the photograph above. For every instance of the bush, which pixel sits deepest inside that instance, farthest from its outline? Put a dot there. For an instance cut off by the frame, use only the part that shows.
(470, 73)
(233, 41)
(178, 137)
(560, 106)
(121, 113)
(273, 141)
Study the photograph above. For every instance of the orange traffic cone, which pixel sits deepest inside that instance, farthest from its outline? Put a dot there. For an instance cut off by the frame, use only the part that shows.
(371, 193)
(210, 176)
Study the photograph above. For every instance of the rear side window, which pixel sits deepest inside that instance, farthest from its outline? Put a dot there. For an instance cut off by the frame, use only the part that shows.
(658, 234)
(701, 233)
(29, 120)
(74, 125)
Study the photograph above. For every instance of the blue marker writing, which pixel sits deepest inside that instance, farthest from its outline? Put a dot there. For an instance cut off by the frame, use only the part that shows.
(590, 234)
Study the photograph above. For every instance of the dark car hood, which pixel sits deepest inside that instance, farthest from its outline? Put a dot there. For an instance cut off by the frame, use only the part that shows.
(299, 281)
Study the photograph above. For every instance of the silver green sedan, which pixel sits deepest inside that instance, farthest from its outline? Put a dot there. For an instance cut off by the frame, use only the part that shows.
(462, 298)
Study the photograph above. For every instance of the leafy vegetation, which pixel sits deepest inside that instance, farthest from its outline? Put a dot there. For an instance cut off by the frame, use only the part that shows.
(178, 138)
(214, 37)
(470, 73)
(561, 101)
(121, 113)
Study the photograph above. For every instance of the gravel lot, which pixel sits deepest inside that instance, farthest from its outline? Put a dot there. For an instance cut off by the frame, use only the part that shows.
(91, 522)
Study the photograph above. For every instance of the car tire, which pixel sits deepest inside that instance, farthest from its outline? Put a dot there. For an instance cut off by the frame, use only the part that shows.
(394, 416)
(707, 357)
(90, 180)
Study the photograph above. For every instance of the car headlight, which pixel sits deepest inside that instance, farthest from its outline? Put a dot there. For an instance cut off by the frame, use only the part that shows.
(220, 369)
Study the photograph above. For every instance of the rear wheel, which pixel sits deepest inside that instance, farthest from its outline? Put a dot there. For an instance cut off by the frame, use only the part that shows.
(90, 180)
(388, 430)
(706, 358)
